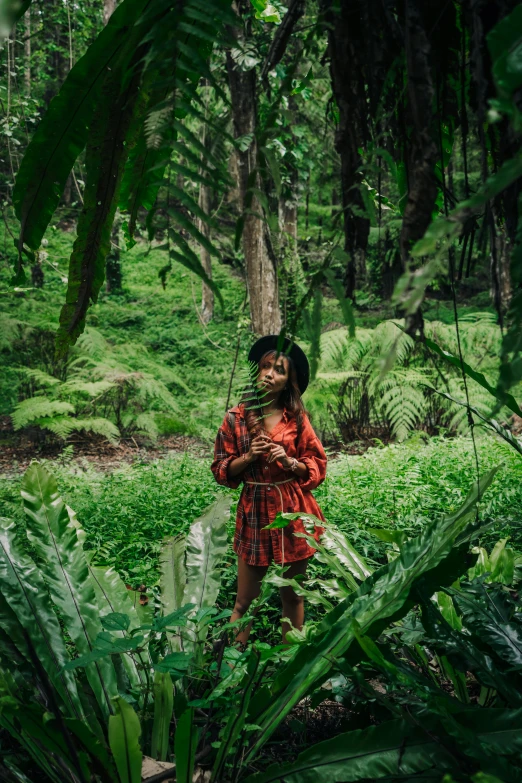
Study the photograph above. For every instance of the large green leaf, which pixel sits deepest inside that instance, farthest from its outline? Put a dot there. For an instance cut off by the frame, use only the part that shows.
(236, 722)
(113, 596)
(124, 741)
(163, 704)
(10, 12)
(172, 579)
(62, 133)
(494, 627)
(383, 595)
(185, 744)
(505, 45)
(398, 750)
(65, 569)
(206, 546)
(27, 606)
(464, 654)
(114, 131)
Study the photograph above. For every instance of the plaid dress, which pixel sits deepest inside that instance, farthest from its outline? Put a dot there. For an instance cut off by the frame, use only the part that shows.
(258, 505)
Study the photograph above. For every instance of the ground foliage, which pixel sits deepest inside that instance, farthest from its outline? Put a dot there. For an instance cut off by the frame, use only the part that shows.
(150, 676)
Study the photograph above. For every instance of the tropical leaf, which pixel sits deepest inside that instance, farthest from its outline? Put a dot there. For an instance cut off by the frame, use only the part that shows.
(64, 566)
(205, 548)
(62, 133)
(10, 12)
(172, 579)
(113, 597)
(114, 132)
(27, 606)
(465, 655)
(185, 744)
(124, 736)
(382, 596)
(163, 705)
(337, 543)
(397, 750)
(494, 627)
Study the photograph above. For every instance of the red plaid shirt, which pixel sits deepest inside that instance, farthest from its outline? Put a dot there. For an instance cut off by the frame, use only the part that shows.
(258, 505)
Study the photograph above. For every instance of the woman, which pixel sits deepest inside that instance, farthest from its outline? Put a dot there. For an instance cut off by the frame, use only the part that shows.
(280, 459)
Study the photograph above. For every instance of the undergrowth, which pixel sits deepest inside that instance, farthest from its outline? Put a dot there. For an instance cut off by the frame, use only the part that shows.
(403, 487)
(146, 366)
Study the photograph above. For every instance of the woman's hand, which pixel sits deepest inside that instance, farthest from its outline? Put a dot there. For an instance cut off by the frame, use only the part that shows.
(278, 453)
(259, 445)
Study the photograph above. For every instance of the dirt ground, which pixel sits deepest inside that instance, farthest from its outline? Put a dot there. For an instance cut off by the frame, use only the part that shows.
(16, 452)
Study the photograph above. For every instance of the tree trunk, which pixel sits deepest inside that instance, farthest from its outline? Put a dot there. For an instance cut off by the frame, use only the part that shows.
(345, 33)
(260, 262)
(113, 273)
(108, 9)
(499, 264)
(207, 296)
(27, 52)
(232, 196)
(422, 157)
(68, 190)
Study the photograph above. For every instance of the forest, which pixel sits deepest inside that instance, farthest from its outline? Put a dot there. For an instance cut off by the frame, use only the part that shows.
(178, 179)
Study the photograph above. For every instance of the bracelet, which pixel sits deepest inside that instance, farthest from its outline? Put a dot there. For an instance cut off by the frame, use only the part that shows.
(293, 467)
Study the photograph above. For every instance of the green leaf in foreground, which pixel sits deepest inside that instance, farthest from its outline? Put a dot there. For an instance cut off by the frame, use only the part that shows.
(64, 567)
(62, 133)
(398, 750)
(114, 131)
(383, 596)
(124, 736)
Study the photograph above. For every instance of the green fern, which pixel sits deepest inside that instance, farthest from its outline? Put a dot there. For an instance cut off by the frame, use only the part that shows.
(403, 400)
(37, 408)
(383, 373)
(12, 330)
(145, 424)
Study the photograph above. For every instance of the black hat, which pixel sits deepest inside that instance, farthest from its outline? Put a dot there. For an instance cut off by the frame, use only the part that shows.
(288, 348)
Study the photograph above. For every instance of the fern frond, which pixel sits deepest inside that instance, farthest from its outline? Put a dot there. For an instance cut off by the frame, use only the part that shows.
(404, 406)
(81, 387)
(58, 425)
(155, 126)
(145, 423)
(92, 343)
(30, 410)
(98, 426)
(11, 330)
(39, 377)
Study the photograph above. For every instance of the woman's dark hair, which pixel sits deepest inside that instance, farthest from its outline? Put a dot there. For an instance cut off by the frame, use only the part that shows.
(290, 398)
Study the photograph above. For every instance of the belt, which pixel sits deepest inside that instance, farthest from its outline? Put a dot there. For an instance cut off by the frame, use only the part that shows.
(275, 484)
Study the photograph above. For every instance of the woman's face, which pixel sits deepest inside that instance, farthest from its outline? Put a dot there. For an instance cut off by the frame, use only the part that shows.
(273, 374)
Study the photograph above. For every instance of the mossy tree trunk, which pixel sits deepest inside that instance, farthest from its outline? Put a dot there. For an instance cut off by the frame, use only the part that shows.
(260, 262)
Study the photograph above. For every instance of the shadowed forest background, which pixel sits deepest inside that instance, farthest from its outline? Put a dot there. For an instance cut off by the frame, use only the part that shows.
(177, 179)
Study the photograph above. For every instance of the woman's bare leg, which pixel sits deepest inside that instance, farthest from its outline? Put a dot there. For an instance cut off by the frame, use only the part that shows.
(293, 604)
(249, 580)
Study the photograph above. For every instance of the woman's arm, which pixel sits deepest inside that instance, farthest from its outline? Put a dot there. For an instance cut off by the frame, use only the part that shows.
(260, 444)
(289, 463)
